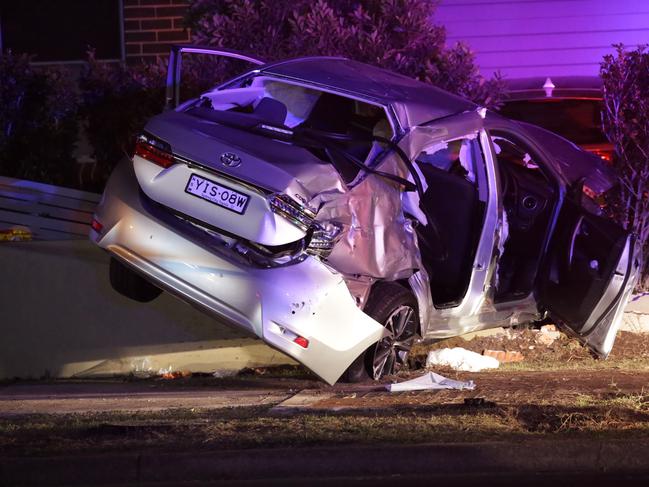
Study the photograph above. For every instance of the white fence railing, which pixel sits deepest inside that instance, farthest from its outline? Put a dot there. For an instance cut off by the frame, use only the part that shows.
(48, 212)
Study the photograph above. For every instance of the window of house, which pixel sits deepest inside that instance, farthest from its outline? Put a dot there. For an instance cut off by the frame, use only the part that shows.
(62, 30)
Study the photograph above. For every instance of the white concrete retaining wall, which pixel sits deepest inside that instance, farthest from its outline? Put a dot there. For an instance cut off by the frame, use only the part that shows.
(636, 318)
(59, 317)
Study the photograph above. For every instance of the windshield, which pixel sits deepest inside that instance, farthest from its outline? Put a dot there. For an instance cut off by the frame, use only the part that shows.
(578, 120)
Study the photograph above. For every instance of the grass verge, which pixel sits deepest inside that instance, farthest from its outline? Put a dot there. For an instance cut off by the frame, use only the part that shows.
(586, 416)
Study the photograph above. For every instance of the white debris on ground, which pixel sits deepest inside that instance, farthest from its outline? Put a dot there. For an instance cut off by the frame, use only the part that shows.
(430, 381)
(636, 316)
(547, 335)
(461, 359)
(224, 373)
(635, 322)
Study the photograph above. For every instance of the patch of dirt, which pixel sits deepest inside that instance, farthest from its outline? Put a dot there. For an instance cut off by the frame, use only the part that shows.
(504, 388)
(628, 346)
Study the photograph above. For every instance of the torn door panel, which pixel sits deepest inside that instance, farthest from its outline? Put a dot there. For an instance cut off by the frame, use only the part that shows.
(377, 240)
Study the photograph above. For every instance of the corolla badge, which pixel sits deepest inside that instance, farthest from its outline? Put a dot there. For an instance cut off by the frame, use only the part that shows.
(230, 159)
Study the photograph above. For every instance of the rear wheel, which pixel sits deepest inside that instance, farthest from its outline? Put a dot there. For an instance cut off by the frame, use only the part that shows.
(395, 307)
(130, 284)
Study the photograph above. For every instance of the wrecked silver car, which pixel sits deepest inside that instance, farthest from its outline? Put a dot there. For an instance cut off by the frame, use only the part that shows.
(340, 212)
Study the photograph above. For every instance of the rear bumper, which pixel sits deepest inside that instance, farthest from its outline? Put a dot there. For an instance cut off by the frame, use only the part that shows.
(306, 299)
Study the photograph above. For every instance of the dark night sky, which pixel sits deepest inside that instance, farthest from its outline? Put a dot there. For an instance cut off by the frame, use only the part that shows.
(61, 30)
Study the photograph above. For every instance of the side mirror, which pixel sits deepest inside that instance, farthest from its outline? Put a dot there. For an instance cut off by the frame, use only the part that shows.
(576, 190)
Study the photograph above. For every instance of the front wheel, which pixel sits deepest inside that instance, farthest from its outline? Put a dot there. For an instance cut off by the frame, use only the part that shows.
(395, 307)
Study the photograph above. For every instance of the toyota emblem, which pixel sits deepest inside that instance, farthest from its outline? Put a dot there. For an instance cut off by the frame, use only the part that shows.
(230, 159)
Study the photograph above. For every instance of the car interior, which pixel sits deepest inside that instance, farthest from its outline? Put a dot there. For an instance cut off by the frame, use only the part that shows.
(293, 106)
(452, 198)
(357, 120)
(528, 200)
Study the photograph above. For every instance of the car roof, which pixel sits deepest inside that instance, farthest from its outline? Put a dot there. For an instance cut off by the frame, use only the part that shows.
(571, 161)
(413, 102)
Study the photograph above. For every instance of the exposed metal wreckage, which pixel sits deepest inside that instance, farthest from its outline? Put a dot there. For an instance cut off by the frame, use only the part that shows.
(375, 219)
(359, 183)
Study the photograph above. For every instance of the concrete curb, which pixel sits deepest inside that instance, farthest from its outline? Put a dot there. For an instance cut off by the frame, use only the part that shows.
(304, 400)
(531, 456)
(24, 399)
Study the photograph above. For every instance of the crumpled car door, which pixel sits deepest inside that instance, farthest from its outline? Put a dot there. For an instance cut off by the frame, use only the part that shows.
(172, 97)
(588, 275)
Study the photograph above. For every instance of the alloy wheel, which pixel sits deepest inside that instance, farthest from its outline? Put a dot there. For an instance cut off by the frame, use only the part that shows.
(391, 352)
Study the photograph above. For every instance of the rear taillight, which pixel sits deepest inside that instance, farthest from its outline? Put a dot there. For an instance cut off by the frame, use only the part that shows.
(604, 155)
(96, 225)
(301, 341)
(154, 150)
(298, 214)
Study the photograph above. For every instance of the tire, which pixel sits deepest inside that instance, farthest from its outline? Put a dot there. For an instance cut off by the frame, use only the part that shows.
(388, 303)
(130, 284)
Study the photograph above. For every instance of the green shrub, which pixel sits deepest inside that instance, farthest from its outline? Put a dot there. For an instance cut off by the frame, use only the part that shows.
(118, 99)
(116, 102)
(38, 127)
(625, 120)
(395, 34)
(39, 108)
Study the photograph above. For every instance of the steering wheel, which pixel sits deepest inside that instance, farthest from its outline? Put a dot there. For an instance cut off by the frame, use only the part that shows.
(510, 191)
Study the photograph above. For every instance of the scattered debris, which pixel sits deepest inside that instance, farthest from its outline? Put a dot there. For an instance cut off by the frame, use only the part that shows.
(628, 346)
(223, 373)
(430, 381)
(141, 368)
(176, 374)
(461, 359)
(15, 235)
(503, 356)
(547, 335)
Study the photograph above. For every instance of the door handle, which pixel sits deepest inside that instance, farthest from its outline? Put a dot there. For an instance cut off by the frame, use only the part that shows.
(573, 239)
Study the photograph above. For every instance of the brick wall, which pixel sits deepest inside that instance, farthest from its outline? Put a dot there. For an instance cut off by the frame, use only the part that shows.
(151, 26)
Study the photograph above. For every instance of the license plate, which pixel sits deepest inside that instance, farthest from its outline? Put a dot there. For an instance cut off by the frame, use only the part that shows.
(217, 193)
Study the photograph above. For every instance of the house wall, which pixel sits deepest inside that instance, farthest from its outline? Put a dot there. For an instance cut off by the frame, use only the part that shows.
(151, 26)
(524, 38)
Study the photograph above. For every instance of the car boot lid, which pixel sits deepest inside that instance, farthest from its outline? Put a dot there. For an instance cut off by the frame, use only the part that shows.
(262, 161)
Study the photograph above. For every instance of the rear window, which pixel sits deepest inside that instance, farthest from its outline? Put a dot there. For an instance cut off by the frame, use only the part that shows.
(290, 105)
(578, 120)
(296, 105)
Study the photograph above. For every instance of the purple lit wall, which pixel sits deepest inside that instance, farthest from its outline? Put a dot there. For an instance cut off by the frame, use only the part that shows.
(526, 38)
